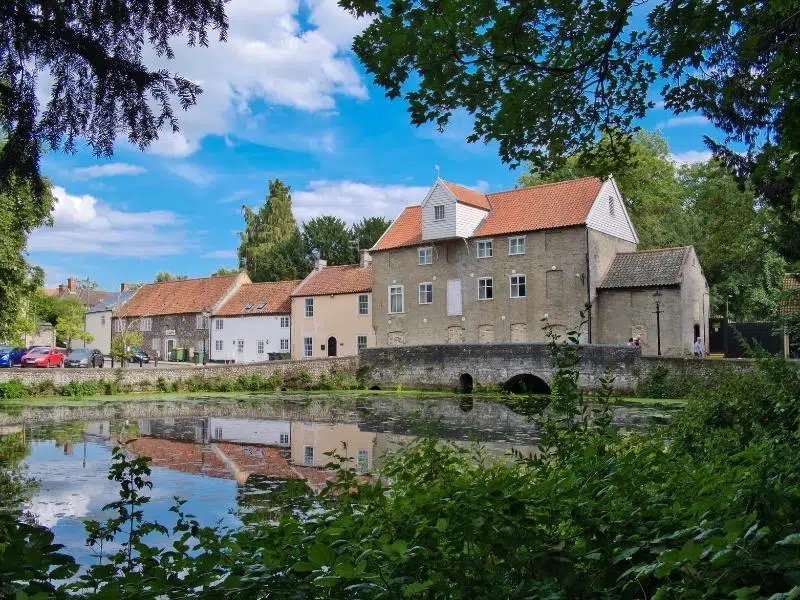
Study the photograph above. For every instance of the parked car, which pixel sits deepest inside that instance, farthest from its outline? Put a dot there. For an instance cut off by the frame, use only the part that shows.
(84, 358)
(11, 356)
(137, 354)
(44, 356)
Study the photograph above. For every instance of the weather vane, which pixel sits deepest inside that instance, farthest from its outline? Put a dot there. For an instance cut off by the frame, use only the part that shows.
(436, 168)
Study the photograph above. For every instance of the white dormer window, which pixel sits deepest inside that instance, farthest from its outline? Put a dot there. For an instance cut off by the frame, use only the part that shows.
(426, 256)
(611, 205)
(438, 212)
(516, 245)
(484, 249)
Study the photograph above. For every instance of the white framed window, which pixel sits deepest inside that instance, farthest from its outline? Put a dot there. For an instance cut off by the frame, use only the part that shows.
(284, 322)
(308, 455)
(426, 293)
(284, 439)
(438, 212)
(395, 298)
(363, 304)
(362, 464)
(218, 345)
(119, 325)
(102, 320)
(155, 344)
(517, 286)
(425, 256)
(146, 324)
(483, 249)
(240, 345)
(361, 342)
(260, 347)
(309, 304)
(201, 322)
(218, 433)
(308, 347)
(485, 288)
(219, 324)
(516, 245)
(284, 344)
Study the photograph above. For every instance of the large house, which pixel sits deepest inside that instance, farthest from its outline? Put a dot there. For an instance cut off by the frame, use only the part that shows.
(72, 288)
(254, 324)
(468, 267)
(175, 314)
(97, 320)
(332, 311)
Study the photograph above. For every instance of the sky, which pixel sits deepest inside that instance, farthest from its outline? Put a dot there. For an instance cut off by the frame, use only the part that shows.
(283, 98)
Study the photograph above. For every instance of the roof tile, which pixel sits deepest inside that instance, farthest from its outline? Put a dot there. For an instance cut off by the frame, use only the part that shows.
(344, 279)
(406, 230)
(648, 268)
(468, 196)
(177, 297)
(273, 298)
(790, 302)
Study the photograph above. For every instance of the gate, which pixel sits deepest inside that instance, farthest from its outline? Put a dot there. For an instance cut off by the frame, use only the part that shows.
(732, 339)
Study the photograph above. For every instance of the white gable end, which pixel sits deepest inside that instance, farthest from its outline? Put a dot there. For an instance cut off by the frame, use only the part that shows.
(609, 215)
(439, 199)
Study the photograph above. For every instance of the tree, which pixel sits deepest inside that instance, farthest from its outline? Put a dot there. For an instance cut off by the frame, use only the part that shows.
(271, 247)
(222, 272)
(71, 325)
(542, 79)
(164, 276)
(101, 87)
(369, 230)
(65, 312)
(653, 195)
(330, 237)
(122, 342)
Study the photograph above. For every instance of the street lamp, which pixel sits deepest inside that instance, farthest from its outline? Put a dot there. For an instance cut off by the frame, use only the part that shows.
(207, 323)
(657, 298)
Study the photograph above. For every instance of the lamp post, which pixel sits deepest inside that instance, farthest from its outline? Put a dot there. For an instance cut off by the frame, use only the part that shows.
(207, 322)
(657, 298)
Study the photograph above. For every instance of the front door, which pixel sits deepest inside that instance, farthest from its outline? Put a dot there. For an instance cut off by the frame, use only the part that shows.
(168, 346)
(331, 346)
(454, 297)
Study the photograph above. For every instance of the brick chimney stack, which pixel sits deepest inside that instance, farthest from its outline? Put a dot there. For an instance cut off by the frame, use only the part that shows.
(366, 259)
(72, 284)
(320, 264)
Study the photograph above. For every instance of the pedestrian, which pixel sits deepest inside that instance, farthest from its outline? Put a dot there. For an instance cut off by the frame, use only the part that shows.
(630, 342)
(698, 349)
(636, 341)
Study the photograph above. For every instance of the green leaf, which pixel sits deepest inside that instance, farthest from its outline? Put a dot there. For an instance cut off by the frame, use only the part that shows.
(415, 588)
(790, 540)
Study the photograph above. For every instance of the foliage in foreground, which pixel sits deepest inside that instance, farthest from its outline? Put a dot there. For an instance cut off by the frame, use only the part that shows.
(708, 508)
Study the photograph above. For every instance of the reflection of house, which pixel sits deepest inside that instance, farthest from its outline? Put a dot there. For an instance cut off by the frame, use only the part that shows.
(331, 311)
(98, 429)
(98, 319)
(311, 441)
(253, 325)
(790, 304)
(249, 431)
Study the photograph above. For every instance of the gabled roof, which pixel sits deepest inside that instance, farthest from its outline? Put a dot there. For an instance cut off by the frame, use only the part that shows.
(790, 303)
(184, 296)
(272, 298)
(547, 206)
(648, 268)
(344, 279)
(112, 302)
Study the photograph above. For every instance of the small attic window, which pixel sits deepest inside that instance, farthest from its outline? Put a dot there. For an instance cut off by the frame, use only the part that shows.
(611, 206)
(438, 212)
(248, 307)
(261, 306)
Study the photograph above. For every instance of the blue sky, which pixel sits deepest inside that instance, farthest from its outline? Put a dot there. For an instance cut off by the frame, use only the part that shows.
(283, 98)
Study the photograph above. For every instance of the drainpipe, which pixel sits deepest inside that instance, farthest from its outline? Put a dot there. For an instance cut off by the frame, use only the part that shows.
(588, 287)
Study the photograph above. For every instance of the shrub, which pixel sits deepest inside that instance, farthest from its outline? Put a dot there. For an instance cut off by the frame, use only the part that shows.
(82, 388)
(299, 380)
(14, 388)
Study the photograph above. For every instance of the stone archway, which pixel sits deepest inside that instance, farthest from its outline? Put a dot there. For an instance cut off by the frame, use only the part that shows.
(332, 346)
(465, 383)
(526, 383)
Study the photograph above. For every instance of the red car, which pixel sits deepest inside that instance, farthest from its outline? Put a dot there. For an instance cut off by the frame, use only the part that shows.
(43, 356)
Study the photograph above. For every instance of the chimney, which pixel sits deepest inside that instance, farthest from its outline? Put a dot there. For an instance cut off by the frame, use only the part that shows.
(320, 264)
(366, 259)
(60, 288)
(124, 287)
(71, 283)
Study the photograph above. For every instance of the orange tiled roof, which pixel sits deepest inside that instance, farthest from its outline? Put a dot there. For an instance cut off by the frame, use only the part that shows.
(344, 279)
(547, 206)
(177, 297)
(272, 298)
(790, 303)
(468, 196)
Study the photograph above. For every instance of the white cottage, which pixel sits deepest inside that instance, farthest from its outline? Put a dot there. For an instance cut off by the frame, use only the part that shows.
(254, 325)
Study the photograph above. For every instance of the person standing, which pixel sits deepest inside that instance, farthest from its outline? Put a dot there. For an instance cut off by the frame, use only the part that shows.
(698, 349)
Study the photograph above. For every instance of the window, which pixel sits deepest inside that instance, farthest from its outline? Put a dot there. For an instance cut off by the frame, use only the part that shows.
(425, 256)
(260, 347)
(146, 324)
(308, 347)
(284, 322)
(201, 322)
(119, 325)
(516, 245)
(218, 345)
(240, 345)
(218, 433)
(309, 308)
(308, 455)
(425, 293)
(155, 344)
(102, 321)
(484, 249)
(363, 304)
(284, 438)
(362, 464)
(219, 324)
(485, 288)
(284, 344)
(395, 298)
(438, 212)
(611, 205)
(518, 286)
(361, 342)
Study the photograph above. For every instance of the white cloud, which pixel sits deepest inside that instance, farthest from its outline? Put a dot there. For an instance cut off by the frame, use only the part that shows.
(84, 225)
(224, 254)
(269, 60)
(108, 170)
(351, 201)
(193, 174)
(691, 156)
(683, 122)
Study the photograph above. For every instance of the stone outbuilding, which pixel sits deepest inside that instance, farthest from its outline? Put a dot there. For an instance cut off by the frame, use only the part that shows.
(626, 304)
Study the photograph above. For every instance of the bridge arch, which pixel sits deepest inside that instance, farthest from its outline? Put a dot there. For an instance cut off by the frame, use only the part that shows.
(465, 383)
(526, 383)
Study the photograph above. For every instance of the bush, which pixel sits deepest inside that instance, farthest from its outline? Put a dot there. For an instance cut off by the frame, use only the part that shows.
(82, 388)
(14, 389)
(299, 380)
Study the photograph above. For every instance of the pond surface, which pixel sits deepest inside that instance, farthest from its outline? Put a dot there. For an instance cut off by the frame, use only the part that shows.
(224, 462)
